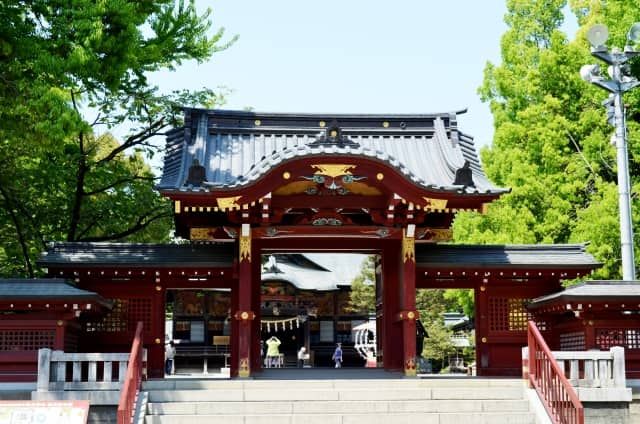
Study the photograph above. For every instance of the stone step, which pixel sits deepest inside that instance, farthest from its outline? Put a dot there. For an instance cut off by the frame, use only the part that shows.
(380, 418)
(197, 384)
(335, 407)
(326, 394)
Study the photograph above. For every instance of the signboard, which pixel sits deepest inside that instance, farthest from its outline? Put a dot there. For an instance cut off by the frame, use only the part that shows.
(44, 412)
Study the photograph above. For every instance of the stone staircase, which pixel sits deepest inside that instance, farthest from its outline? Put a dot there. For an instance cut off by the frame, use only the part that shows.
(362, 401)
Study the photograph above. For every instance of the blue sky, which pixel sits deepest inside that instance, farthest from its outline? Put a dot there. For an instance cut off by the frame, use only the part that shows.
(353, 56)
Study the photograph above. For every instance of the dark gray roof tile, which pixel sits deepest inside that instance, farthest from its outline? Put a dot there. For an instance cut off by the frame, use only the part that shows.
(487, 256)
(235, 151)
(138, 255)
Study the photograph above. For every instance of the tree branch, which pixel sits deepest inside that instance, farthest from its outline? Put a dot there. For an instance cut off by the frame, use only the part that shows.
(135, 139)
(118, 182)
(19, 232)
(139, 225)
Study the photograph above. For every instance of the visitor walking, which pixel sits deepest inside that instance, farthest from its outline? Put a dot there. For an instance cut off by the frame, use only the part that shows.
(273, 352)
(337, 355)
(169, 354)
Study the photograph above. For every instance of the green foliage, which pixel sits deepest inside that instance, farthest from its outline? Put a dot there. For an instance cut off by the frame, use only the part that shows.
(71, 73)
(362, 298)
(438, 346)
(551, 143)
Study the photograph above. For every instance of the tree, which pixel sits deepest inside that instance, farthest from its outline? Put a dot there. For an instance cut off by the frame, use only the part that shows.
(71, 72)
(362, 298)
(551, 143)
(439, 345)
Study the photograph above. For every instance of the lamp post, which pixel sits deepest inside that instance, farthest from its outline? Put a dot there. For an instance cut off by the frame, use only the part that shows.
(620, 81)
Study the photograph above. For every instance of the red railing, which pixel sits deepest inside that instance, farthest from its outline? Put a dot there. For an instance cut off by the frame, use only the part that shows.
(557, 394)
(132, 380)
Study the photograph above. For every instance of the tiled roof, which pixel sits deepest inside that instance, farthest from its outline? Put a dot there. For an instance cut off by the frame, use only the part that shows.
(138, 255)
(237, 148)
(593, 291)
(50, 289)
(487, 256)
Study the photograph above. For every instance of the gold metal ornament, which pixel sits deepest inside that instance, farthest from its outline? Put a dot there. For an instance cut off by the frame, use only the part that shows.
(228, 202)
(322, 124)
(435, 204)
(257, 122)
(245, 248)
(243, 370)
(286, 175)
(333, 170)
(408, 249)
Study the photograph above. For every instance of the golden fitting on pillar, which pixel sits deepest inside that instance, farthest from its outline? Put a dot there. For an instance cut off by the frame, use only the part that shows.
(60, 322)
(158, 288)
(484, 340)
(158, 341)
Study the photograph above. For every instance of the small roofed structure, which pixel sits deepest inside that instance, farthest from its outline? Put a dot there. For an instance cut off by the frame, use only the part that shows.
(593, 315)
(40, 313)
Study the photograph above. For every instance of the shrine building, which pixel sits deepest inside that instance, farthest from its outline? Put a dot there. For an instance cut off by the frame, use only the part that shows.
(246, 186)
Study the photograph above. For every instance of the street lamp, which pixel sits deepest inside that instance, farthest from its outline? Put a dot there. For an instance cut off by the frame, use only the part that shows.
(620, 81)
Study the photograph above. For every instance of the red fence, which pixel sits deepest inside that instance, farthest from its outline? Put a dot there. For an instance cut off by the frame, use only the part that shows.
(558, 396)
(132, 380)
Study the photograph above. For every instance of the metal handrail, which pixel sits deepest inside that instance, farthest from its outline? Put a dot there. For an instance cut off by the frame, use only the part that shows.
(545, 376)
(133, 379)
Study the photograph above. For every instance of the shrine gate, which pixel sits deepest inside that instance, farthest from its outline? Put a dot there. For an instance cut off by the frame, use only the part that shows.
(244, 184)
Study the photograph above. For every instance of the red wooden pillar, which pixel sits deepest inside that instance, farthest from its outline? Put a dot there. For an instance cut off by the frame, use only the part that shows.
(392, 334)
(60, 326)
(482, 328)
(408, 314)
(155, 346)
(256, 365)
(244, 314)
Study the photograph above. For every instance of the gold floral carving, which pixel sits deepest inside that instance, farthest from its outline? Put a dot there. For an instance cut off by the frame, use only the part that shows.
(177, 207)
(243, 370)
(245, 248)
(410, 367)
(333, 170)
(436, 204)
(201, 234)
(228, 202)
(408, 249)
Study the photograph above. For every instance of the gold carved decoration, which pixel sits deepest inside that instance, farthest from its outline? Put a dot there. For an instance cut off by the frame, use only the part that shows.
(333, 170)
(379, 176)
(410, 367)
(243, 370)
(176, 206)
(228, 202)
(300, 187)
(286, 175)
(408, 249)
(245, 248)
(201, 234)
(436, 204)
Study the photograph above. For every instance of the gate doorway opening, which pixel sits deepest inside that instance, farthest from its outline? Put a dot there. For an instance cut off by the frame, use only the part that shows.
(198, 331)
(312, 302)
(448, 323)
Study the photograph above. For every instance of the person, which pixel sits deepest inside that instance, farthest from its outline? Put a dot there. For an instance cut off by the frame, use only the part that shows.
(273, 352)
(371, 359)
(337, 355)
(169, 354)
(302, 356)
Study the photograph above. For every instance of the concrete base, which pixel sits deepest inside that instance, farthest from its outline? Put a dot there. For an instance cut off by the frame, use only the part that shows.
(102, 415)
(606, 413)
